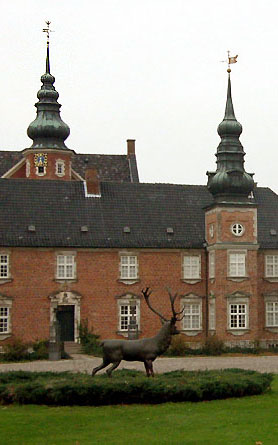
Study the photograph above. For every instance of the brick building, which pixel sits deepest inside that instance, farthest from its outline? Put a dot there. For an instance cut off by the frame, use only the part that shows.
(81, 236)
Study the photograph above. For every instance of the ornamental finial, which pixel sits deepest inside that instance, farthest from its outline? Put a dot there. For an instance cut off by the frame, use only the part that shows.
(47, 31)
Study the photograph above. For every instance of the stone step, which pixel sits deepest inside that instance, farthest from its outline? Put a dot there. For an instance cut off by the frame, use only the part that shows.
(71, 347)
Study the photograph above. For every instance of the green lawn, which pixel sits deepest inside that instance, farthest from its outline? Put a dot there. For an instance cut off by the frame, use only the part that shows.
(225, 422)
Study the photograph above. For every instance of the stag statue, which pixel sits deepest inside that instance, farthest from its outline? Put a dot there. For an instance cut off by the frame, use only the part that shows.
(144, 350)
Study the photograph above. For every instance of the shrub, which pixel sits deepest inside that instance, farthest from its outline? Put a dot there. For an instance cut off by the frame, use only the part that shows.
(213, 346)
(89, 340)
(127, 387)
(15, 351)
(40, 350)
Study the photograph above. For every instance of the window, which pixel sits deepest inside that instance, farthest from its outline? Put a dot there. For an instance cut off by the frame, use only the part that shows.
(211, 264)
(237, 229)
(60, 167)
(238, 316)
(66, 266)
(192, 316)
(272, 314)
(237, 264)
(28, 169)
(4, 265)
(129, 313)
(191, 267)
(129, 267)
(4, 320)
(271, 266)
(212, 314)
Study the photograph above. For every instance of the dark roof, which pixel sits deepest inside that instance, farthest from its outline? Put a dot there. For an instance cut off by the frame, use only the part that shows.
(110, 167)
(58, 209)
(267, 202)
(8, 159)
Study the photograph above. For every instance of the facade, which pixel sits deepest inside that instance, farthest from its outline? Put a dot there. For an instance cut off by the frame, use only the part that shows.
(80, 237)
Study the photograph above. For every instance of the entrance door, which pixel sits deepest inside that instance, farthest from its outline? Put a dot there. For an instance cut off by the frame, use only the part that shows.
(65, 317)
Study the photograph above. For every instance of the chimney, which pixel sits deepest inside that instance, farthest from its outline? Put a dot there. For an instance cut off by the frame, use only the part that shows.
(130, 147)
(92, 181)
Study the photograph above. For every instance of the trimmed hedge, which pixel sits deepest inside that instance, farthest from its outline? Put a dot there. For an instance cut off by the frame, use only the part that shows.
(127, 387)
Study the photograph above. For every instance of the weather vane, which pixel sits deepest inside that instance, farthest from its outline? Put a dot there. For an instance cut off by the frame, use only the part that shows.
(230, 60)
(48, 31)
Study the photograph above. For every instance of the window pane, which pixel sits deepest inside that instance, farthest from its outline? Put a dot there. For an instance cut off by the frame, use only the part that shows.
(238, 315)
(192, 318)
(127, 313)
(129, 267)
(4, 320)
(191, 266)
(65, 266)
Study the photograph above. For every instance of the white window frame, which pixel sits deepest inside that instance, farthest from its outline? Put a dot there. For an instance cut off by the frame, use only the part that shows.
(41, 173)
(271, 266)
(124, 312)
(238, 313)
(237, 263)
(4, 319)
(65, 266)
(212, 314)
(192, 267)
(237, 229)
(28, 168)
(60, 163)
(193, 319)
(212, 264)
(129, 267)
(271, 311)
(4, 265)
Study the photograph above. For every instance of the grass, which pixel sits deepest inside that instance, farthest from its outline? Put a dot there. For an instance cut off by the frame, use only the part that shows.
(242, 421)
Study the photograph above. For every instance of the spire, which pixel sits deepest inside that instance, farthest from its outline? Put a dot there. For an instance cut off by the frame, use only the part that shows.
(230, 182)
(48, 130)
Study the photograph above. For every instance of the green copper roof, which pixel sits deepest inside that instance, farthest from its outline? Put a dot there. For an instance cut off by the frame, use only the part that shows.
(230, 182)
(48, 130)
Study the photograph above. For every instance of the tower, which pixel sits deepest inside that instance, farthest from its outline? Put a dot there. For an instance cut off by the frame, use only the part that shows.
(48, 157)
(231, 238)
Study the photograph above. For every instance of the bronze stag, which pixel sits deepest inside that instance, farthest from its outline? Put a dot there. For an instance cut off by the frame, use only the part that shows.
(144, 350)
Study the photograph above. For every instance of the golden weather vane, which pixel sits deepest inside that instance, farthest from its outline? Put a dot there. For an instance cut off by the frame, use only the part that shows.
(230, 60)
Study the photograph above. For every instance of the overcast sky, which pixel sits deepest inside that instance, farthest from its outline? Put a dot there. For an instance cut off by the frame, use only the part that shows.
(148, 70)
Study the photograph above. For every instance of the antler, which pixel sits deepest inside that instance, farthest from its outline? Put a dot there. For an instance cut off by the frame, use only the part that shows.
(147, 292)
(172, 300)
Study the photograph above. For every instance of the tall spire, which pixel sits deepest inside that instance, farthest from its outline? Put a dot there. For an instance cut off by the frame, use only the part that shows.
(230, 182)
(48, 130)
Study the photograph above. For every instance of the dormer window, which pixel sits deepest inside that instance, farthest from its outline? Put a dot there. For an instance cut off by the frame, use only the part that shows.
(60, 167)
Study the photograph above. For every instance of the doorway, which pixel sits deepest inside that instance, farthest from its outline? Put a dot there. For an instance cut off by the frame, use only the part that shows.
(65, 317)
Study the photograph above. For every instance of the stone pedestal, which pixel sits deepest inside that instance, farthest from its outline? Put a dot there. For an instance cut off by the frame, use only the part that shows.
(55, 344)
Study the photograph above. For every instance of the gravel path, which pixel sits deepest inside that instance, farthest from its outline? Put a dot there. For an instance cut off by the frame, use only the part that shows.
(84, 363)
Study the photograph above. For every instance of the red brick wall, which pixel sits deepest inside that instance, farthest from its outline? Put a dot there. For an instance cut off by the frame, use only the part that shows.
(98, 284)
(33, 280)
(51, 165)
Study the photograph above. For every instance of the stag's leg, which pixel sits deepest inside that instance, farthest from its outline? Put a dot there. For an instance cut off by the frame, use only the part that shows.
(105, 363)
(114, 366)
(150, 364)
(149, 368)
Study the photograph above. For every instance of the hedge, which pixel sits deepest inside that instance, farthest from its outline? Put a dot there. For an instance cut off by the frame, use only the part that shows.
(126, 387)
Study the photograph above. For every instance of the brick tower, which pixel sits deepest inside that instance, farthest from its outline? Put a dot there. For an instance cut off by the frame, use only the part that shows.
(48, 157)
(231, 238)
